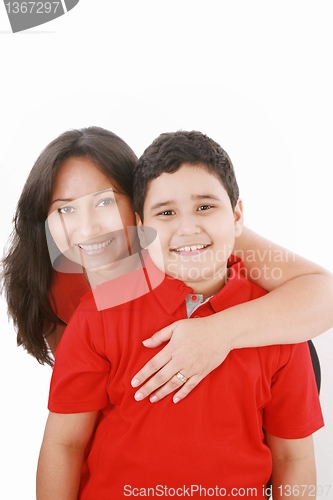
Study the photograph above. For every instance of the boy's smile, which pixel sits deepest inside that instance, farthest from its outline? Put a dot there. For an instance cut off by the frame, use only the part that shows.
(196, 225)
(189, 249)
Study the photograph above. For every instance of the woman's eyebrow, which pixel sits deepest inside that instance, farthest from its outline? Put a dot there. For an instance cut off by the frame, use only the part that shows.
(103, 191)
(61, 199)
(92, 194)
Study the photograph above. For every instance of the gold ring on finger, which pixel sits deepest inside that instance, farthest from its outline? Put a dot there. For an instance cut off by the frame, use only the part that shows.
(181, 377)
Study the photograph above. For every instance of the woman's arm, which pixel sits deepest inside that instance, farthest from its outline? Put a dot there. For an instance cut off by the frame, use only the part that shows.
(270, 265)
(61, 456)
(298, 307)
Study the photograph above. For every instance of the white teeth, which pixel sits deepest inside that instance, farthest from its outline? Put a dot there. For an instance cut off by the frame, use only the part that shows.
(190, 248)
(96, 246)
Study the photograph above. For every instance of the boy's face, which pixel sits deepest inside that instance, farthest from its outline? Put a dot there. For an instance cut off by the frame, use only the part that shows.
(192, 214)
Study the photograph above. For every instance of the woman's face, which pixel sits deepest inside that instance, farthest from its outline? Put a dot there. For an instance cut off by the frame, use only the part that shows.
(88, 216)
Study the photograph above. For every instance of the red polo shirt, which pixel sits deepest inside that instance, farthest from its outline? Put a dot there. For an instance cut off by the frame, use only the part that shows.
(213, 438)
(66, 292)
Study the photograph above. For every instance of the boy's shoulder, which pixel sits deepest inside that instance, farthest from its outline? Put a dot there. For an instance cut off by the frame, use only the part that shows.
(238, 288)
(239, 274)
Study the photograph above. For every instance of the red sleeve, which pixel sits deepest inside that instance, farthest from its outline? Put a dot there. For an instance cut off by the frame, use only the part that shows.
(81, 371)
(294, 409)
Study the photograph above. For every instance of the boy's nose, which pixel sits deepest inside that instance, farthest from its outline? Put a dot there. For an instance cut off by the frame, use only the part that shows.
(188, 225)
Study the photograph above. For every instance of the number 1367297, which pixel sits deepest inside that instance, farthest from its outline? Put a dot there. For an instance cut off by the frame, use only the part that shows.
(303, 490)
(32, 7)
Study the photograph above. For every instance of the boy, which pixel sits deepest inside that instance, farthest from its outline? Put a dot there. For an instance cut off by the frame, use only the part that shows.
(254, 410)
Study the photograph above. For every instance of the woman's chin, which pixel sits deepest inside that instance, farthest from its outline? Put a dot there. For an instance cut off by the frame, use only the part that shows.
(99, 260)
(85, 261)
(105, 262)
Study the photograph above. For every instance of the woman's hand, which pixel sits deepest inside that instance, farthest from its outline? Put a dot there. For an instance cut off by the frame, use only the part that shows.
(191, 350)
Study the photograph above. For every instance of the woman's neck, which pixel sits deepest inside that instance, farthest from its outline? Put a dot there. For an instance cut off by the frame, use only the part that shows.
(111, 271)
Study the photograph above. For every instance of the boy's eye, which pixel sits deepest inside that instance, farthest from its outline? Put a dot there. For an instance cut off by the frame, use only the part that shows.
(65, 210)
(167, 212)
(106, 201)
(204, 207)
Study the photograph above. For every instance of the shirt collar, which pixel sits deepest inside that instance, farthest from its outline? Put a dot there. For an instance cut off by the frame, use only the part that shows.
(172, 293)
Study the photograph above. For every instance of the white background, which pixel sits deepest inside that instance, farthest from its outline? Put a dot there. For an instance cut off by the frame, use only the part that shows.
(256, 76)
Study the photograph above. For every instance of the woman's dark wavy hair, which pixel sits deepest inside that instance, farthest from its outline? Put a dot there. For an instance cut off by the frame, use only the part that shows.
(26, 267)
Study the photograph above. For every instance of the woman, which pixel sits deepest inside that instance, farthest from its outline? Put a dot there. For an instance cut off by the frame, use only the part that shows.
(41, 299)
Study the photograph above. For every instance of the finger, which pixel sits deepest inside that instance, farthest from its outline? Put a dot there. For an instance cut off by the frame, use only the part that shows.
(161, 336)
(161, 359)
(185, 389)
(172, 385)
(160, 378)
(154, 365)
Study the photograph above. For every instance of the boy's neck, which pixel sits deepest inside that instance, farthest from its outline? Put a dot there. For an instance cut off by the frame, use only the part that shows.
(209, 287)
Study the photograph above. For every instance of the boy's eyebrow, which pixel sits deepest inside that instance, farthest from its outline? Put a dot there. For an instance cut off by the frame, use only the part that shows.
(162, 204)
(72, 199)
(205, 197)
(194, 197)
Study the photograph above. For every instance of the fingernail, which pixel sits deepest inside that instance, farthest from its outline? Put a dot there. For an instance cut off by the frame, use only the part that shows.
(135, 382)
(153, 399)
(138, 396)
(175, 400)
(146, 342)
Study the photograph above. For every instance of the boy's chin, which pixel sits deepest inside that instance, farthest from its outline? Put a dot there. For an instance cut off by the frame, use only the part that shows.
(188, 277)
(194, 275)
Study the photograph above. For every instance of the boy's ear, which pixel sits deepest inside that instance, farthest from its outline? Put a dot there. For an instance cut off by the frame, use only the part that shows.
(238, 218)
(140, 230)
(138, 219)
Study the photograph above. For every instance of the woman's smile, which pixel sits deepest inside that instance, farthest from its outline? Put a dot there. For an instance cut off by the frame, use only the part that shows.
(95, 248)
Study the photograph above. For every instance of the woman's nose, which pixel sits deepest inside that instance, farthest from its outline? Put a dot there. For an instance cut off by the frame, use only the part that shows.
(89, 225)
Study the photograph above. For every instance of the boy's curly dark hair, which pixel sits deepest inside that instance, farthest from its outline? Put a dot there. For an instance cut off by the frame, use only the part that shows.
(170, 150)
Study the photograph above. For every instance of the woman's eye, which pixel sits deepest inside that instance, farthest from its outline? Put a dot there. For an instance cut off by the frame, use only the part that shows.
(65, 210)
(106, 201)
(204, 207)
